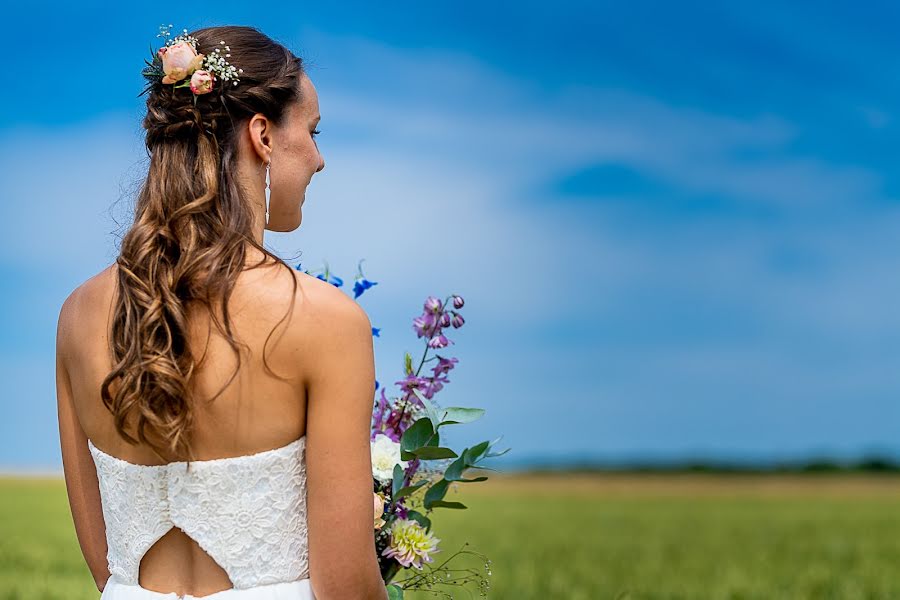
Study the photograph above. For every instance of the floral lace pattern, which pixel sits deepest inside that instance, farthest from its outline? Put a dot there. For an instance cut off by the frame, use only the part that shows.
(247, 512)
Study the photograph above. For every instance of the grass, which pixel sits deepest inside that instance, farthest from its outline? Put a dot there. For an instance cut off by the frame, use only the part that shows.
(586, 537)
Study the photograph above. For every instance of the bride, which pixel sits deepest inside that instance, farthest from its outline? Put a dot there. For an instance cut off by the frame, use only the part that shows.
(214, 403)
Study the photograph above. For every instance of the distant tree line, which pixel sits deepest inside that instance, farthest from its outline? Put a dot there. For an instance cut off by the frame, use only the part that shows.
(871, 464)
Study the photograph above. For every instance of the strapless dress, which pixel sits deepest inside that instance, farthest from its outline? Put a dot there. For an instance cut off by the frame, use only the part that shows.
(248, 513)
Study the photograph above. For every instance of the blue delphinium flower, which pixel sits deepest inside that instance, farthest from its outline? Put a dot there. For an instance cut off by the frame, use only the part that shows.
(329, 277)
(332, 279)
(361, 284)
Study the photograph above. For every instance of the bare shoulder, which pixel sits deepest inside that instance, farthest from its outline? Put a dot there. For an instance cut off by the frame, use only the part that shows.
(323, 306)
(78, 306)
(331, 330)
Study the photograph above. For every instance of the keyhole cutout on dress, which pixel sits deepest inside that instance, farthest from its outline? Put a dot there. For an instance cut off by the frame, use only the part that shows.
(176, 560)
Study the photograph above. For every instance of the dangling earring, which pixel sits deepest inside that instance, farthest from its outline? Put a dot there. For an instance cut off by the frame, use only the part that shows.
(268, 191)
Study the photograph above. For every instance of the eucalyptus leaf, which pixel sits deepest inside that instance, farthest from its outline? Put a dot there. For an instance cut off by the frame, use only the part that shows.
(493, 454)
(484, 468)
(430, 409)
(447, 504)
(397, 483)
(434, 452)
(458, 414)
(419, 518)
(435, 492)
(455, 469)
(475, 452)
(418, 435)
(406, 491)
(395, 592)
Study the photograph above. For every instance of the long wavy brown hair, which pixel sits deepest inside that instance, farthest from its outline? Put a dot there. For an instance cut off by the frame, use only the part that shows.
(190, 237)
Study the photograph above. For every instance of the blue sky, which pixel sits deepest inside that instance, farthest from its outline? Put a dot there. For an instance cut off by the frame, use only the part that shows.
(675, 226)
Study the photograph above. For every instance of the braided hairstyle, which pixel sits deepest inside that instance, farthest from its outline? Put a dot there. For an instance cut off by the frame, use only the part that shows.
(190, 237)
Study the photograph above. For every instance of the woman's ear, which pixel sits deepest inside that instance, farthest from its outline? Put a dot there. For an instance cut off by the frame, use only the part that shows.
(261, 136)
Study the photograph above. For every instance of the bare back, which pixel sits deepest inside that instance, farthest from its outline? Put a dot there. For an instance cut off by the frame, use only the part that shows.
(256, 412)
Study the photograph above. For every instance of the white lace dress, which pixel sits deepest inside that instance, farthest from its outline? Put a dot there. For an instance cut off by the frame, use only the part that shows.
(247, 512)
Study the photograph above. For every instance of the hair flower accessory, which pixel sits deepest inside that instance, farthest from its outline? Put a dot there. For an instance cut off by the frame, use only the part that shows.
(201, 82)
(178, 62)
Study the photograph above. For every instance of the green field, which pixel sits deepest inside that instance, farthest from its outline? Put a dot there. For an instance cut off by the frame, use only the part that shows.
(587, 536)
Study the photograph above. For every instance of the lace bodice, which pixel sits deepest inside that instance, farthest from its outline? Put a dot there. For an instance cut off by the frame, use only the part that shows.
(247, 512)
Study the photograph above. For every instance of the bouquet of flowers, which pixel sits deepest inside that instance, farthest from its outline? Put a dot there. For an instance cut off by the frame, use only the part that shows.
(411, 470)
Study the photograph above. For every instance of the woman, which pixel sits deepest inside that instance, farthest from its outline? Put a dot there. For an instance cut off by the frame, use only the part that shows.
(215, 403)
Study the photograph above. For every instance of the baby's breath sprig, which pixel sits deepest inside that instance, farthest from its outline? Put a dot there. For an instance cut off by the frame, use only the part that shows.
(184, 36)
(216, 63)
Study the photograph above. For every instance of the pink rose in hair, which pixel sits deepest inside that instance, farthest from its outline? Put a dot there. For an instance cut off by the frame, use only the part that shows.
(201, 82)
(179, 60)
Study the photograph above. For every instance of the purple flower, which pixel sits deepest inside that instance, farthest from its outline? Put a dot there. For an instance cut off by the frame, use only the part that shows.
(445, 320)
(439, 341)
(457, 320)
(434, 386)
(380, 412)
(411, 382)
(458, 301)
(433, 305)
(390, 432)
(444, 365)
(412, 467)
(424, 325)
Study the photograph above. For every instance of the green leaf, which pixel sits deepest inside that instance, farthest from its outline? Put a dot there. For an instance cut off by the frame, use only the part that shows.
(476, 452)
(406, 491)
(418, 435)
(493, 443)
(473, 480)
(419, 518)
(434, 452)
(397, 483)
(447, 504)
(484, 468)
(493, 454)
(430, 408)
(458, 414)
(455, 469)
(435, 492)
(395, 592)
